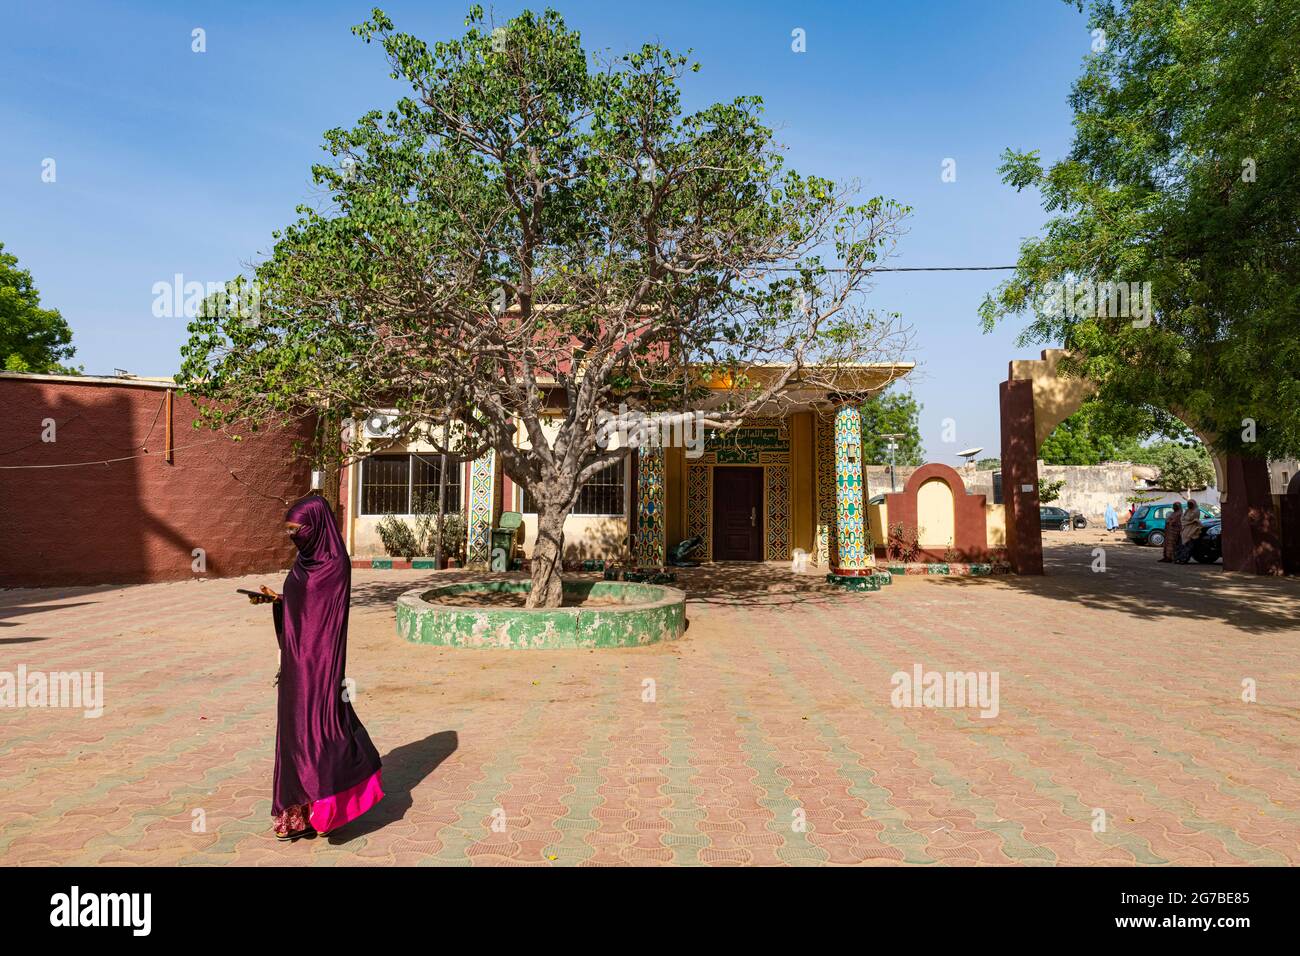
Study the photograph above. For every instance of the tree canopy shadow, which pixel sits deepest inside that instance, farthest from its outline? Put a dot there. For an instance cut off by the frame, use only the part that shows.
(1137, 584)
(734, 584)
(751, 584)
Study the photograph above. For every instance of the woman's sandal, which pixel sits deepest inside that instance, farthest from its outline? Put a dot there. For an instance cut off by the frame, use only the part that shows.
(296, 835)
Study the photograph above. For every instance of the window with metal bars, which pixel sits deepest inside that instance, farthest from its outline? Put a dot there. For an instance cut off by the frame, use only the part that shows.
(601, 494)
(407, 484)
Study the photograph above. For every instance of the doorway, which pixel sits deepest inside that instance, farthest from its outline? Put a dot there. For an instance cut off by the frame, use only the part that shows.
(737, 514)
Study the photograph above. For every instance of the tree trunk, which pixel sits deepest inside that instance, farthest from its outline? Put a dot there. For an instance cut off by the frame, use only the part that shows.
(548, 556)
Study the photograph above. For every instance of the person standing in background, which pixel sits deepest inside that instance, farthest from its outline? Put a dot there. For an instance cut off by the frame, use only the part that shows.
(1191, 530)
(1173, 532)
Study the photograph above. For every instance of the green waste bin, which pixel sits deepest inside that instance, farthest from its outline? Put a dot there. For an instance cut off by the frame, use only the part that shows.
(503, 540)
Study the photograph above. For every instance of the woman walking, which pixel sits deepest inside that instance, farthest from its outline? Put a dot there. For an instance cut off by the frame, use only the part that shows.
(327, 772)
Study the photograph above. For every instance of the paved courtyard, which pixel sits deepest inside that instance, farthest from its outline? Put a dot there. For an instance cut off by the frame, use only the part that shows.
(765, 736)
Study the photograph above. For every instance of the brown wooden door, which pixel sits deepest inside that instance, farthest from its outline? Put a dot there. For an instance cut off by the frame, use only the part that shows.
(737, 514)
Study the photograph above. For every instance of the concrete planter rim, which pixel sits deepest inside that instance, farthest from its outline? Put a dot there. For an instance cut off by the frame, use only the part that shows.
(661, 616)
(416, 598)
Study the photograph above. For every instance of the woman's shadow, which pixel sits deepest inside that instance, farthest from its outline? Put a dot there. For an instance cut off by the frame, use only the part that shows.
(404, 768)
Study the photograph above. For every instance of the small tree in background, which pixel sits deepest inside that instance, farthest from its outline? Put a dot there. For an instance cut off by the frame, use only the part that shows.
(32, 339)
(1182, 468)
(1049, 490)
(896, 413)
(531, 237)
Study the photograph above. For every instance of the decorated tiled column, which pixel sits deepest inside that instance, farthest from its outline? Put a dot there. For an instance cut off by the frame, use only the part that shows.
(482, 484)
(650, 542)
(856, 556)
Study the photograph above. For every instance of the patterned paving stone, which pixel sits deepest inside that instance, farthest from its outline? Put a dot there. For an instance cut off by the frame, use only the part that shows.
(766, 736)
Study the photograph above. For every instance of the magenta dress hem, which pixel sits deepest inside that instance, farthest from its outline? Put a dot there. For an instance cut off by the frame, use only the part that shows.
(330, 813)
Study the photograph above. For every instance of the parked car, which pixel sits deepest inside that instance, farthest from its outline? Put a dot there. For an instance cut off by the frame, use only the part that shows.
(1051, 518)
(1147, 526)
(1209, 546)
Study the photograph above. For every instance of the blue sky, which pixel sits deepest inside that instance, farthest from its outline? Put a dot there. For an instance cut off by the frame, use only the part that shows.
(170, 161)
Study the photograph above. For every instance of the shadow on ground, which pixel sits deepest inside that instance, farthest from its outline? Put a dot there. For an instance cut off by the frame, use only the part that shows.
(404, 768)
(734, 584)
(1137, 584)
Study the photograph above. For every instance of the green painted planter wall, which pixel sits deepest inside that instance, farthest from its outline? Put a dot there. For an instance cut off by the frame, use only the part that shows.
(651, 613)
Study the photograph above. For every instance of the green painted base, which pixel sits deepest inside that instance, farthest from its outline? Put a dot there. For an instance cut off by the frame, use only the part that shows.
(647, 614)
(850, 582)
(955, 570)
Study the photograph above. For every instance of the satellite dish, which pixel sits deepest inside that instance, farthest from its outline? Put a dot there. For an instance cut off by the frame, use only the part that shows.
(969, 452)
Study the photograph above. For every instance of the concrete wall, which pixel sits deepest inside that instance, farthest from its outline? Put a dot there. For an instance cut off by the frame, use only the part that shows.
(1280, 474)
(596, 536)
(131, 517)
(995, 517)
(585, 536)
(361, 532)
(1089, 488)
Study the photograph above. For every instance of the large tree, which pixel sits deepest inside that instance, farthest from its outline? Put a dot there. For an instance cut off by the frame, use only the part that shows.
(1184, 174)
(532, 237)
(32, 339)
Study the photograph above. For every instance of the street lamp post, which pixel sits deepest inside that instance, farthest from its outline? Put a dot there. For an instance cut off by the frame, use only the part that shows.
(892, 444)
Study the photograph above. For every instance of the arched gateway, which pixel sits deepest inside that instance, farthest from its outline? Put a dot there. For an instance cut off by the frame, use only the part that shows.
(1035, 398)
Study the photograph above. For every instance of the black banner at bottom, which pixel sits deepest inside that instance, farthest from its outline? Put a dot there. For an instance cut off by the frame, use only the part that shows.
(215, 905)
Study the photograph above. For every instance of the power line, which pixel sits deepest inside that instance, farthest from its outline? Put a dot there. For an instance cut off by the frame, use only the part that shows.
(903, 269)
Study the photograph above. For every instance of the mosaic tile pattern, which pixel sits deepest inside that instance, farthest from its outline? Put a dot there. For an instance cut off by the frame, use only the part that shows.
(760, 441)
(776, 522)
(650, 530)
(699, 508)
(824, 468)
(479, 532)
(774, 706)
(852, 534)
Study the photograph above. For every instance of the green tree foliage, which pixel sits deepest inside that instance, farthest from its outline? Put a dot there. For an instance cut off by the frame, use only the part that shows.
(1049, 490)
(1093, 435)
(533, 236)
(1097, 433)
(1183, 174)
(892, 413)
(1182, 467)
(32, 339)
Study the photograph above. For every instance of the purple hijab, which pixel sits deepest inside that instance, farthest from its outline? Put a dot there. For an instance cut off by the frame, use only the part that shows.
(321, 749)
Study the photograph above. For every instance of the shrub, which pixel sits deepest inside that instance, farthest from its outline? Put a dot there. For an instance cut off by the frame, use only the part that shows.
(902, 542)
(398, 537)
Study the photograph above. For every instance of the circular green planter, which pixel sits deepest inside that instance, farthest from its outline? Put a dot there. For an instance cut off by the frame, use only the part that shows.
(649, 613)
